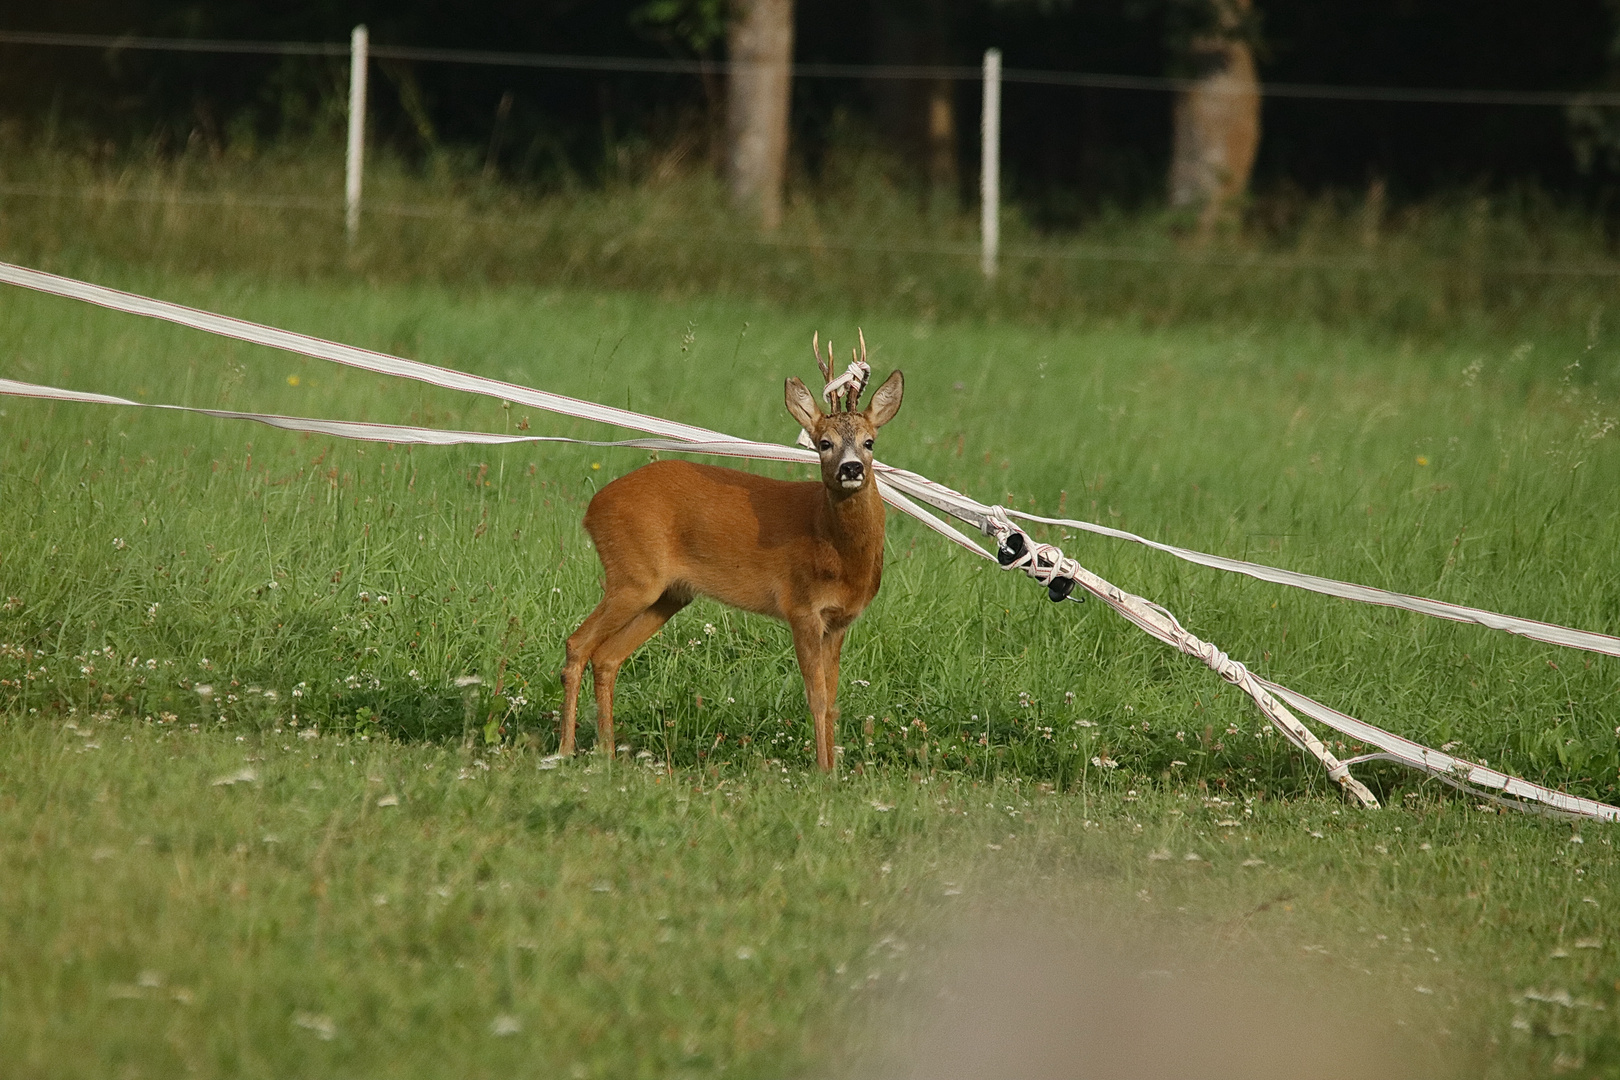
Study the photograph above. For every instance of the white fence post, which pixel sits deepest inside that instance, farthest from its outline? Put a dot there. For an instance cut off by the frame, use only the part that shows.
(359, 45)
(990, 163)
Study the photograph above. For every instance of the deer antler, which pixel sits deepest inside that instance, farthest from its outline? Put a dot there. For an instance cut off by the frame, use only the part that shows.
(843, 392)
(826, 365)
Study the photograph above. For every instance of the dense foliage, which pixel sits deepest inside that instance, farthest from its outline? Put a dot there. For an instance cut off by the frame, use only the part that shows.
(1067, 150)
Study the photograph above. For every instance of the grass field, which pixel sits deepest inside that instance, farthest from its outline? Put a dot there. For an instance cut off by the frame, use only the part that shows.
(401, 887)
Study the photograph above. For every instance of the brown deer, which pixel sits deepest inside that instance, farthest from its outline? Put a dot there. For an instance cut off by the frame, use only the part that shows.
(810, 553)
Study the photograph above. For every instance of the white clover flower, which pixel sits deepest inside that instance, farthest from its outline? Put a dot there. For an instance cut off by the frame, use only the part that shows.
(708, 628)
(118, 543)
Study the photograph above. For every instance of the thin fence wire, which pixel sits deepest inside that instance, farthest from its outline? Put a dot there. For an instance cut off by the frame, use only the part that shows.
(958, 73)
(966, 249)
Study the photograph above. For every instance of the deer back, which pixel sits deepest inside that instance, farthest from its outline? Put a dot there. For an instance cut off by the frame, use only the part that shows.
(774, 547)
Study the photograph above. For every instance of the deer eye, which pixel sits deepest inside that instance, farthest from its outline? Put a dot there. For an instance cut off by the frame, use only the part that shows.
(868, 444)
(826, 444)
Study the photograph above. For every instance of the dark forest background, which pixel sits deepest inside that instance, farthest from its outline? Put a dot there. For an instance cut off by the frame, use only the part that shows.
(1066, 150)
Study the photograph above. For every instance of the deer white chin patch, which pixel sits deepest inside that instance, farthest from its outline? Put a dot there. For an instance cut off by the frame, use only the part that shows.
(852, 485)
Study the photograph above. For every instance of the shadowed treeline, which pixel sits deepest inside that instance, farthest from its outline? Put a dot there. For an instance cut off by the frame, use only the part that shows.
(1068, 151)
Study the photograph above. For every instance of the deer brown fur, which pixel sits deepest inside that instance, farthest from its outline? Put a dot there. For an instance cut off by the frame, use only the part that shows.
(807, 553)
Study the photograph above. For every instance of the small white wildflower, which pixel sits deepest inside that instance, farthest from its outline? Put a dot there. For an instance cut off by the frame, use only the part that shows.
(118, 543)
(204, 690)
(505, 1025)
(1103, 761)
(708, 628)
(152, 610)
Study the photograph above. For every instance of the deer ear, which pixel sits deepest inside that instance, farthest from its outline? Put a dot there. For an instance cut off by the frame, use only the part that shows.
(886, 400)
(802, 405)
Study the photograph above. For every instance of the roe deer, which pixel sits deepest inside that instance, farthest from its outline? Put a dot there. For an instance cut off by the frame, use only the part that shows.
(810, 554)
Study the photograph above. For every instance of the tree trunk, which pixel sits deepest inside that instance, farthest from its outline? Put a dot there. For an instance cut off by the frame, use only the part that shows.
(760, 38)
(1217, 119)
(917, 117)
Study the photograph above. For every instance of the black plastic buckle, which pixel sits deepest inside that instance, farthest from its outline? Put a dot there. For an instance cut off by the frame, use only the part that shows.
(1011, 549)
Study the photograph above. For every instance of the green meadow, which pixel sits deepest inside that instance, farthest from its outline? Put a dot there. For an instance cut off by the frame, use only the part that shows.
(276, 712)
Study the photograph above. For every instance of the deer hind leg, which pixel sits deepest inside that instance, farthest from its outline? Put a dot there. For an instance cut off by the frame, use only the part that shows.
(616, 649)
(617, 609)
(809, 643)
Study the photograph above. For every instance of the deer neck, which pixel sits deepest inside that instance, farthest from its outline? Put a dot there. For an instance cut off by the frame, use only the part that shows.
(854, 522)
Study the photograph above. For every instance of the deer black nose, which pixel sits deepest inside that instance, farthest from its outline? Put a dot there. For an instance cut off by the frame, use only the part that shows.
(851, 470)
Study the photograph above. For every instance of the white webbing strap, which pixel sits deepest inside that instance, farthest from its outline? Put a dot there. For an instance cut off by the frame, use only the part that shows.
(405, 434)
(1445, 766)
(1550, 633)
(348, 355)
(1158, 623)
(850, 385)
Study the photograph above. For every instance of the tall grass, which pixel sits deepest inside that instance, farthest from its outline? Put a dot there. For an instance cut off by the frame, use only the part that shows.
(854, 238)
(157, 556)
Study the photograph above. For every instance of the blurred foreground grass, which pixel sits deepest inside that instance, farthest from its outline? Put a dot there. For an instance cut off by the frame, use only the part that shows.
(199, 902)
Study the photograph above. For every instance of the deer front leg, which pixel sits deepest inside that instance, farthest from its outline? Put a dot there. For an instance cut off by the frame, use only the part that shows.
(832, 650)
(809, 645)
